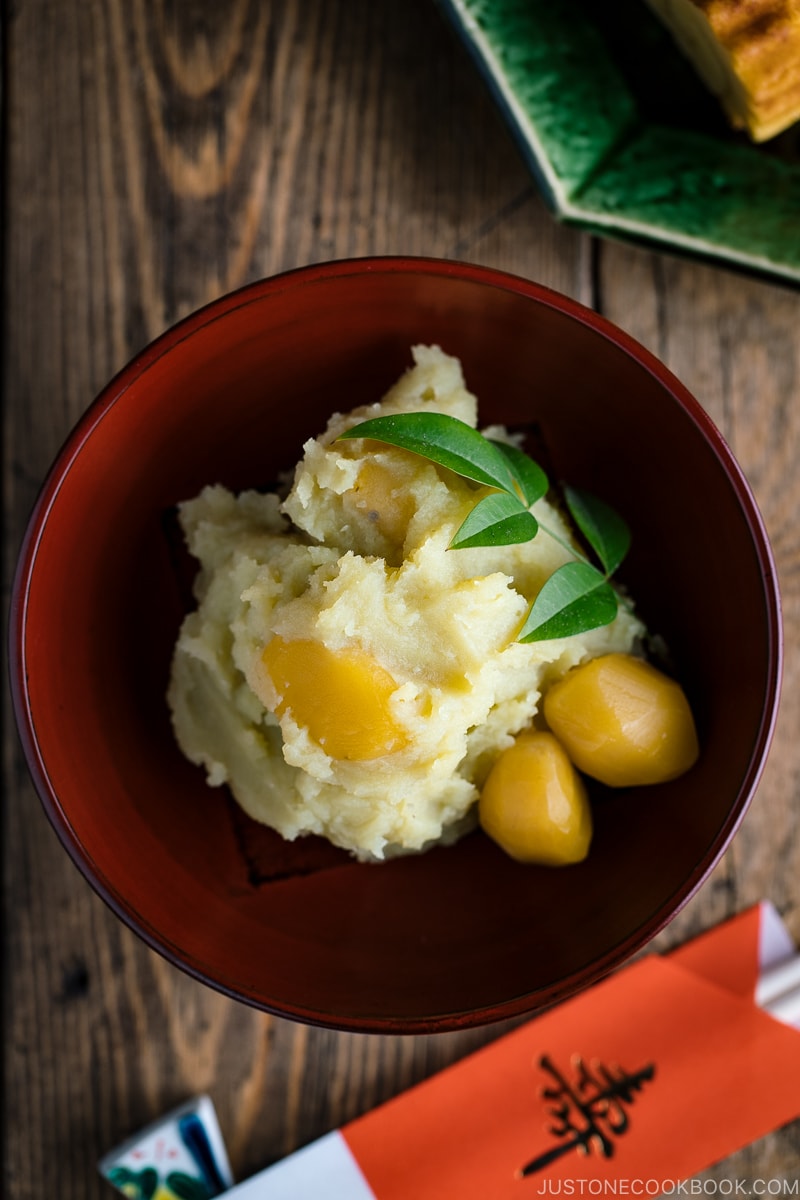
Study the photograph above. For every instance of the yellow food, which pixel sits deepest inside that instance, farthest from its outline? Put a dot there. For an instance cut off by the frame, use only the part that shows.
(378, 494)
(748, 54)
(344, 673)
(534, 803)
(342, 698)
(623, 722)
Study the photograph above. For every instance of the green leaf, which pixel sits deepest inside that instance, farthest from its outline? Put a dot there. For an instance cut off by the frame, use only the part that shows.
(186, 1187)
(575, 599)
(138, 1185)
(532, 481)
(123, 1177)
(443, 440)
(603, 527)
(497, 520)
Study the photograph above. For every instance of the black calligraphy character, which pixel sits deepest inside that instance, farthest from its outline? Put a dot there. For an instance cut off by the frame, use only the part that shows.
(589, 1113)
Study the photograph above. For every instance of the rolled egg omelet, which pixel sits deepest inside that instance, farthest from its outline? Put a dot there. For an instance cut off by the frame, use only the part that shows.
(345, 673)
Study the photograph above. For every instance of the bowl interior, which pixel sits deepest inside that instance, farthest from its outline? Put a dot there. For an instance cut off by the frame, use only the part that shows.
(456, 936)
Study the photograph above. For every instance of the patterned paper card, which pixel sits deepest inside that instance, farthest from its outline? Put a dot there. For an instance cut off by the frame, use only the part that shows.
(179, 1157)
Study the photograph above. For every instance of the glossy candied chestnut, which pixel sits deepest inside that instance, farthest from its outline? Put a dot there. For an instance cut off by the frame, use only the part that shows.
(341, 697)
(534, 803)
(623, 722)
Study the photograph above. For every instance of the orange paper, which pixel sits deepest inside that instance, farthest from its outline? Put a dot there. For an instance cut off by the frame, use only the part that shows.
(728, 954)
(647, 1078)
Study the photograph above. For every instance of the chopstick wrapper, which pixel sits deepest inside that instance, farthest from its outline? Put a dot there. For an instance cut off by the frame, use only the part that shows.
(647, 1078)
(181, 1156)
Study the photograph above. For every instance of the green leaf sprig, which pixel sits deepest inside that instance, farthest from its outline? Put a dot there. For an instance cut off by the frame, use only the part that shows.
(578, 596)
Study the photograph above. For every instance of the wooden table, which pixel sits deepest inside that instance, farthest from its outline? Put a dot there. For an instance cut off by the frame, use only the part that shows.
(160, 154)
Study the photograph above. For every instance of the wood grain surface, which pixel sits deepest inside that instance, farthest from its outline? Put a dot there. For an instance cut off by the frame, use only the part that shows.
(159, 153)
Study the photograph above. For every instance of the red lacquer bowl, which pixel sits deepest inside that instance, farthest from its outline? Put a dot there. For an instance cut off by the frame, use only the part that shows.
(455, 937)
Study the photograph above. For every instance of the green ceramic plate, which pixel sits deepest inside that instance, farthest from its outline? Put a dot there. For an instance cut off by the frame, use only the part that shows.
(624, 138)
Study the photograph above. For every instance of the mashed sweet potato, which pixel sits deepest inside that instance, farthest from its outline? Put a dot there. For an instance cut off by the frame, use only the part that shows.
(345, 673)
